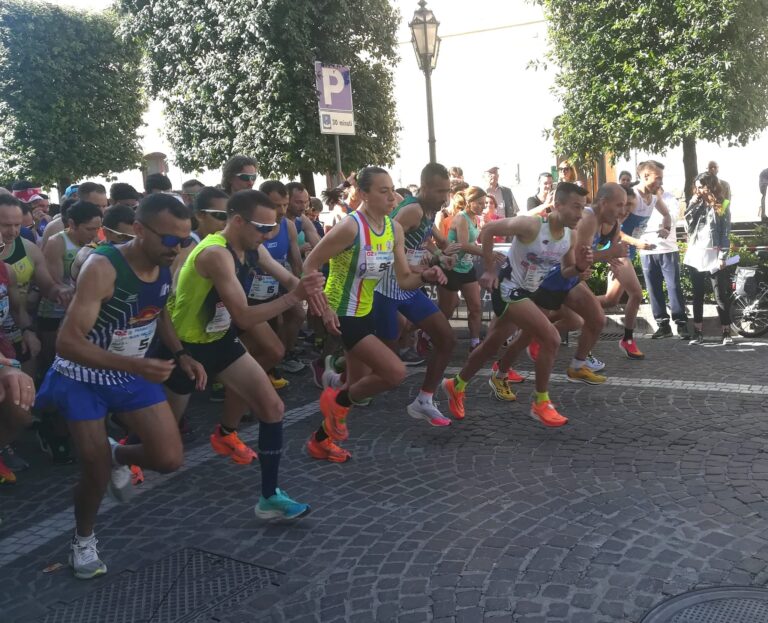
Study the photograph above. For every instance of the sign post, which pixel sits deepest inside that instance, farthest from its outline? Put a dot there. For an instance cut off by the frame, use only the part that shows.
(334, 100)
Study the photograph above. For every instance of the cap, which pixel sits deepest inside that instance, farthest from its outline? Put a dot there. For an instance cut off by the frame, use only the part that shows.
(492, 170)
(71, 190)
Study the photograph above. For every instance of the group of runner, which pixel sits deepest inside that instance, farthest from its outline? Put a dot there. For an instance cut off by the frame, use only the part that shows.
(158, 312)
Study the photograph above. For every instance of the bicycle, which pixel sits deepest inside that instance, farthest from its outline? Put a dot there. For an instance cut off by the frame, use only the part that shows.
(749, 302)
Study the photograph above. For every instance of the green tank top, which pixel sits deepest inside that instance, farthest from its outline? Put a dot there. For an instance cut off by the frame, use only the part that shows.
(51, 309)
(197, 313)
(464, 260)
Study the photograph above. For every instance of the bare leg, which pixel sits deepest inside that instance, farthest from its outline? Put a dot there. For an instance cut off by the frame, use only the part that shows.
(471, 293)
(95, 459)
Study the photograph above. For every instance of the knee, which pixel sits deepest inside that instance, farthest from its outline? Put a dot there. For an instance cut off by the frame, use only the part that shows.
(169, 461)
(277, 351)
(395, 375)
(474, 308)
(271, 410)
(445, 340)
(550, 340)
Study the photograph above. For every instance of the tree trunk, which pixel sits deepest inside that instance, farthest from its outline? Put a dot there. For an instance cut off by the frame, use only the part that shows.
(62, 184)
(690, 164)
(308, 179)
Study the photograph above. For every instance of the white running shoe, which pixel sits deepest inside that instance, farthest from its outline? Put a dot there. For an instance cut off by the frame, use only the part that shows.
(84, 559)
(593, 363)
(330, 377)
(420, 410)
(120, 486)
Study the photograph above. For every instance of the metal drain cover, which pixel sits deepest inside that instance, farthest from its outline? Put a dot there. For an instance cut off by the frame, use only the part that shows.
(728, 604)
(180, 588)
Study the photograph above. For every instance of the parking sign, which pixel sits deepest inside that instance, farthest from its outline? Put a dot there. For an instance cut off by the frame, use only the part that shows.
(334, 99)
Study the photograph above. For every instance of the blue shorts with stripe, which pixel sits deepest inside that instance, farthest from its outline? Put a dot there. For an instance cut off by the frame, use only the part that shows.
(385, 310)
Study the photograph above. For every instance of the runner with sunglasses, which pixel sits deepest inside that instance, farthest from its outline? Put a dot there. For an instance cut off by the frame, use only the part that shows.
(208, 308)
(104, 363)
(361, 249)
(210, 210)
(238, 173)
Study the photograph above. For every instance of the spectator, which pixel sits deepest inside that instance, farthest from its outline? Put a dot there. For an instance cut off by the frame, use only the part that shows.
(545, 195)
(24, 190)
(238, 173)
(446, 214)
(404, 192)
(124, 194)
(39, 207)
(491, 214)
(763, 182)
(157, 183)
(714, 169)
(334, 208)
(414, 189)
(708, 220)
(625, 179)
(567, 173)
(189, 190)
(506, 205)
(455, 174)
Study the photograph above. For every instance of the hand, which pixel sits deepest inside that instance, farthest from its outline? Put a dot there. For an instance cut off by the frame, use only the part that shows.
(154, 370)
(434, 275)
(615, 264)
(63, 295)
(447, 262)
(305, 248)
(489, 281)
(318, 304)
(309, 285)
(648, 246)
(620, 249)
(584, 276)
(663, 232)
(331, 322)
(584, 255)
(30, 344)
(40, 216)
(452, 249)
(17, 387)
(499, 257)
(195, 371)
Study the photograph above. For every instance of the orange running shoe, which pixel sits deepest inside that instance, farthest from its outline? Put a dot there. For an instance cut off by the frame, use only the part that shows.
(546, 413)
(512, 376)
(455, 399)
(630, 349)
(327, 450)
(137, 476)
(334, 415)
(7, 477)
(533, 350)
(231, 446)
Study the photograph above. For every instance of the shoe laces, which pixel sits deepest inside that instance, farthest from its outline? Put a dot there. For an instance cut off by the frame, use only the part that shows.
(86, 552)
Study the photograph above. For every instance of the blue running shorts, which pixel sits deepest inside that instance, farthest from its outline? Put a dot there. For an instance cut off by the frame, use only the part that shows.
(385, 310)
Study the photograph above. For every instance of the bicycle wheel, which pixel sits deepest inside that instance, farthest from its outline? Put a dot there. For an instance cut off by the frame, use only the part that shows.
(749, 317)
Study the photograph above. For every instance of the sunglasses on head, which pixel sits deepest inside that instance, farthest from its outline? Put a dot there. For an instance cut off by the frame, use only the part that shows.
(263, 228)
(247, 177)
(122, 236)
(167, 240)
(219, 215)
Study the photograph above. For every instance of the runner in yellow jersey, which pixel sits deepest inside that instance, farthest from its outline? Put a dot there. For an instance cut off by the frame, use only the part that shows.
(360, 249)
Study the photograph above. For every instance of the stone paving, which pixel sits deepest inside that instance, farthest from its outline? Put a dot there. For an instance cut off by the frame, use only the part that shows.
(658, 485)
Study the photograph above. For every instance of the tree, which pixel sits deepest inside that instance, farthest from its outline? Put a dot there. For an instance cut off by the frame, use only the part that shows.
(237, 76)
(654, 74)
(70, 94)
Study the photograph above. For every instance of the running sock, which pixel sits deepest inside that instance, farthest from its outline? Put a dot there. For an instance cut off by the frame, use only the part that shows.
(343, 398)
(270, 449)
(225, 430)
(425, 396)
(459, 383)
(577, 363)
(84, 540)
(474, 341)
(628, 334)
(540, 397)
(320, 434)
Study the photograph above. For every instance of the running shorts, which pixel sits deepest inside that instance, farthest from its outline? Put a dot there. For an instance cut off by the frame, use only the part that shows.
(500, 302)
(355, 328)
(385, 311)
(456, 280)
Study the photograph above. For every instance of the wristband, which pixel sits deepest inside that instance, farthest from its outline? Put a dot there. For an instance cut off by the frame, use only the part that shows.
(181, 353)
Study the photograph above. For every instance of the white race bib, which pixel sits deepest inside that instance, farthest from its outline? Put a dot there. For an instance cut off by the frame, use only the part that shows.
(416, 256)
(376, 263)
(134, 341)
(221, 320)
(534, 275)
(263, 287)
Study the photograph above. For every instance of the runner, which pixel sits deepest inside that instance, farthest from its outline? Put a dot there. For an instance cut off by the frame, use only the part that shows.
(117, 226)
(538, 244)
(416, 215)
(360, 250)
(207, 318)
(102, 365)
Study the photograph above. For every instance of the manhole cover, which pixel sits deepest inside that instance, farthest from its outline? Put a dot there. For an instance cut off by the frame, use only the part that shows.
(730, 604)
(177, 589)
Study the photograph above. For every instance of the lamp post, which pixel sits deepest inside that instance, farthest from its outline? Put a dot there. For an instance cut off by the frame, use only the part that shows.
(426, 44)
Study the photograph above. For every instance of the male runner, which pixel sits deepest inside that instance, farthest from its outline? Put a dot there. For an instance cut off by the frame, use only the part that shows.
(102, 366)
(207, 318)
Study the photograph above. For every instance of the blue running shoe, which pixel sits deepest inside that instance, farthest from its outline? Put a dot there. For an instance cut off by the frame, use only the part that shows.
(280, 506)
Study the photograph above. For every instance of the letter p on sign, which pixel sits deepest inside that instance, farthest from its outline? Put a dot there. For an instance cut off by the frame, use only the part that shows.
(333, 82)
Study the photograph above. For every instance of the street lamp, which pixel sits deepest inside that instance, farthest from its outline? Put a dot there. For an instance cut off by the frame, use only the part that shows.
(426, 44)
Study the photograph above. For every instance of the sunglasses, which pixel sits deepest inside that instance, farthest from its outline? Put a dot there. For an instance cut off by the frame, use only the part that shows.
(247, 177)
(565, 168)
(263, 228)
(219, 215)
(120, 235)
(167, 240)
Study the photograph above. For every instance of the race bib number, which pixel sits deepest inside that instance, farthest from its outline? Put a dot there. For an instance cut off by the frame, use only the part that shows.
(221, 320)
(376, 263)
(132, 342)
(263, 287)
(416, 256)
(534, 276)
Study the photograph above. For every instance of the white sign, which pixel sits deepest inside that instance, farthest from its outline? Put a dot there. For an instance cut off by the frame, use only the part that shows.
(334, 98)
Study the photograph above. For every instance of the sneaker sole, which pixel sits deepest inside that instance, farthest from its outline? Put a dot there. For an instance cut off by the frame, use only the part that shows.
(630, 356)
(451, 403)
(411, 364)
(87, 576)
(227, 452)
(585, 381)
(496, 395)
(532, 413)
(267, 515)
(327, 457)
(420, 416)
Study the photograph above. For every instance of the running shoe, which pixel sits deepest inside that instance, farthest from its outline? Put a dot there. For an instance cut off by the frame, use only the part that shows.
(278, 382)
(84, 559)
(584, 375)
(663, 331)
(230, 445)
(533, 350)
(698, 337)
(119, 486)
(137, 475)
(326, 450)
(334, 415)
(455, 398)
(512, 376)
(7, 477)
(593, 363)
(727, 339)
(217, 392)
(682, 330)
(280, 506)
(330, 378)
(12, 460)
(423, 344)
(363, 402)
(317, 372)
(292, 365)
(410, 357)
(546, 413)
(630, 349)
(420, 410)
(501, 389)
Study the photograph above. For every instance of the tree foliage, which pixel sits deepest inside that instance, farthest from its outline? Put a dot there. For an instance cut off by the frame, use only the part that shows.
(70, 94)
(237, 76)
(651, 73)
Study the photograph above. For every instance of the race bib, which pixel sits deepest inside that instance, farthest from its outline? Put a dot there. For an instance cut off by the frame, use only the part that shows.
(221, 320)
(638, 231)
(376, 263)
(134, 341)
(416, 257)
(263, 287)
(534, 275)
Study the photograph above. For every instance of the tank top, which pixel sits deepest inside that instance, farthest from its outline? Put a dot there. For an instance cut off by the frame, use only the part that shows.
(49, 308)
(355, 271)
(126, 323)
(24, 269)
(258, 285)
(527, 264)
(602, 241)
(197, 311)
(279, 245)
(464, 261)
(414, 240)
(637, 221)
(301, 237)
(6, 346)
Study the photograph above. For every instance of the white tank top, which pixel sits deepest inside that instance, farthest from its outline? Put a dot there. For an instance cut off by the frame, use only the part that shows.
(528, 264)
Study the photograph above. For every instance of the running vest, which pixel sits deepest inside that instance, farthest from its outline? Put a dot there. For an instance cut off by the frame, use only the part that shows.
(414, 241)
(528, 264)
(6, 347)
(600, 241)
(126, 323)
(355, 271)
(24, 269)
(279, 245)
(49, 308)
(257, 284)
(463, 260)
(301, 237)
(197, 312)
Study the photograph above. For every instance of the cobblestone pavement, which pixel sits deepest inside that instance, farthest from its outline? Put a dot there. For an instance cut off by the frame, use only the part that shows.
(658, 485)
